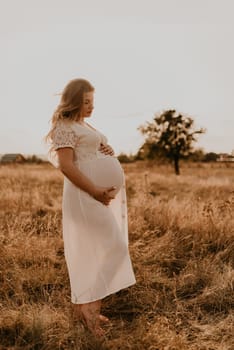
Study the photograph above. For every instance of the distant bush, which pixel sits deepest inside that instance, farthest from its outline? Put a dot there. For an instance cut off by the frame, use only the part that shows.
(34, 159)
(211, 157)
(124, 158)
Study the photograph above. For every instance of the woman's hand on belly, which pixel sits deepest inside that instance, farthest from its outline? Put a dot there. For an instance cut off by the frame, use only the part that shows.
(104, 195)
(106, 149)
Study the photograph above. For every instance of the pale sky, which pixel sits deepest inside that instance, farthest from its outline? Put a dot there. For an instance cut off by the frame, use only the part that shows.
(142, 56)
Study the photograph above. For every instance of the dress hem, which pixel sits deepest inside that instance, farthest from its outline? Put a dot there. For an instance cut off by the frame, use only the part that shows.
(100, 298)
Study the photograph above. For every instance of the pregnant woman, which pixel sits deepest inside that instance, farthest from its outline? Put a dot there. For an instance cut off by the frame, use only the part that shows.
(95, 230)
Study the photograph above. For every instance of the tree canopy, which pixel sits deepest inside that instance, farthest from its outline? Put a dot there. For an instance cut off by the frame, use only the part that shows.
(171, 134)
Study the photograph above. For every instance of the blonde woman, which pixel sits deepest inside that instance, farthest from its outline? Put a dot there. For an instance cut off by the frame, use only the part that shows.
(94, 210)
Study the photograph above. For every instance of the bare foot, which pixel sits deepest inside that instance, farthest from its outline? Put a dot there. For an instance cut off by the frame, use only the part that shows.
(91, 320)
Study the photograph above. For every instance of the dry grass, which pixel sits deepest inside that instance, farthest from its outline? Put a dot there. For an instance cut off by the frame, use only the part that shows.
(182, 246)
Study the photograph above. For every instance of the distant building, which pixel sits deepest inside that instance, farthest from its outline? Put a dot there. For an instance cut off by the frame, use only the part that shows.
(13, 158)
(225, 157)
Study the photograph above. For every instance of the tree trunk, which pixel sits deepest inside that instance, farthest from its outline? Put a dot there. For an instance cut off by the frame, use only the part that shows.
(176, 165)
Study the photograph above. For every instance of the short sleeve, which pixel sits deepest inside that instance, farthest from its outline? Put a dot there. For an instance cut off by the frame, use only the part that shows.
(63, 136)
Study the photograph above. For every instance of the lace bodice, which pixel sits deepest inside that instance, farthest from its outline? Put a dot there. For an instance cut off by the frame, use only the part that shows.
(83, 139)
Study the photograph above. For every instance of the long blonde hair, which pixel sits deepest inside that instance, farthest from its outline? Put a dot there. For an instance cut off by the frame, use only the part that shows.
(70, 104)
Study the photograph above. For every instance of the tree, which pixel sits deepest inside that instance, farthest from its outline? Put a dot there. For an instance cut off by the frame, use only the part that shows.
(172, 135)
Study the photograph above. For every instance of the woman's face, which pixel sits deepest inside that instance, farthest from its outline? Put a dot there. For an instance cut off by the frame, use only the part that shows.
(87, 106)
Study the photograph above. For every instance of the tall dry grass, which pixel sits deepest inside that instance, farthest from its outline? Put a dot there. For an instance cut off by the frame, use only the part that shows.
(181, 233)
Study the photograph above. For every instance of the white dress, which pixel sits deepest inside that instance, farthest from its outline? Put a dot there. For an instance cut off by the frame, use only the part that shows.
(95, 236)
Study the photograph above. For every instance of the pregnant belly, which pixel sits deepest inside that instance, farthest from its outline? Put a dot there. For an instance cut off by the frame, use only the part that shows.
(104, 172)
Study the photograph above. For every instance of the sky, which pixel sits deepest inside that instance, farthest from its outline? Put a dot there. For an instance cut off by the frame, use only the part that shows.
(142, 56)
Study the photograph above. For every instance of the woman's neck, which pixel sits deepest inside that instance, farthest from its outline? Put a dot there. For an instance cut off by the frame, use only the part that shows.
(81, 121)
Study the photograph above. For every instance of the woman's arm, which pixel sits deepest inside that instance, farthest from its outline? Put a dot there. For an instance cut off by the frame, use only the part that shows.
(68, 168)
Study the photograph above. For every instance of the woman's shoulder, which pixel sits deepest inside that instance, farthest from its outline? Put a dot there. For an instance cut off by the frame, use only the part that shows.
(63, 130)
(64, 124)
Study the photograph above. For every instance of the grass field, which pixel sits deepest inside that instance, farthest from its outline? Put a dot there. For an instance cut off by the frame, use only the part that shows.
(181, 232)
